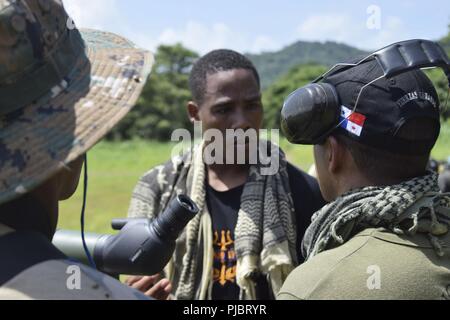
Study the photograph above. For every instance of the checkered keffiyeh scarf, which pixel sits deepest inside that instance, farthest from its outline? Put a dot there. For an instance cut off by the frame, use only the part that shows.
(265, 235)
(387, 207)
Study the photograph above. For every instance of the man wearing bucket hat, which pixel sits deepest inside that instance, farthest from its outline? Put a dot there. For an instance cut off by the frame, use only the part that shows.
(385, 233)
(61, 91)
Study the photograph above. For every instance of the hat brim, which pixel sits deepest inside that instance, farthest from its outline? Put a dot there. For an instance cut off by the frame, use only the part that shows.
(37, 141)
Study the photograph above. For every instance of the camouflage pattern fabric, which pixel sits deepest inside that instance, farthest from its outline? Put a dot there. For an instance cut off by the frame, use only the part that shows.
(265, 231)
(376, 207)
(61, 90)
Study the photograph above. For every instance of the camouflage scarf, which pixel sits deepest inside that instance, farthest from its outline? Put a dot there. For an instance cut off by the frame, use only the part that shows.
(265, 235)
(409, 207)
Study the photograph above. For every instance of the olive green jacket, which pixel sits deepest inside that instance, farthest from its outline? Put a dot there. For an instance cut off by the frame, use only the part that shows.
(375, 264)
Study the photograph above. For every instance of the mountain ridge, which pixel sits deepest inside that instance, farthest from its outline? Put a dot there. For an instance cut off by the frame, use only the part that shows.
(272, 65)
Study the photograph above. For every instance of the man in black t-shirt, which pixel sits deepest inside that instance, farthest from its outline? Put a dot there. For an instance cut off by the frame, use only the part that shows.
(224, 207)
(247, 238)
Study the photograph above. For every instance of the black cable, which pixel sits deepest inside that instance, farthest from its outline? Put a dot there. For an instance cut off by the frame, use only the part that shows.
(85, 183)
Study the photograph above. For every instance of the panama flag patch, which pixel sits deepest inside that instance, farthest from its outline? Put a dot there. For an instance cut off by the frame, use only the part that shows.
(352, 121)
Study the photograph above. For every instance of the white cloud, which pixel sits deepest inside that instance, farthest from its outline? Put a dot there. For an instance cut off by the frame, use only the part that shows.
(95, 14)
(142, 40)
(264, 43)
(325, 27)
(204, 38)
(392, 29)
(106, 15)
(348, 29)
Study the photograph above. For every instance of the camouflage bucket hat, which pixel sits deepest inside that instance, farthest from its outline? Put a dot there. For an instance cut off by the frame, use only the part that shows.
(61, 90)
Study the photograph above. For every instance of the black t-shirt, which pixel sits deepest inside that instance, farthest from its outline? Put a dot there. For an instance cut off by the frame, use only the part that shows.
(224, 208)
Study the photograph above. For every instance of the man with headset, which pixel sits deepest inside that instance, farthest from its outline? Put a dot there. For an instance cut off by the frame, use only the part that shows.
(385, 233)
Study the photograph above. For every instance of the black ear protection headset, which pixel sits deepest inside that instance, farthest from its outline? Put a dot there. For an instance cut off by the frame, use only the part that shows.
(312, 113)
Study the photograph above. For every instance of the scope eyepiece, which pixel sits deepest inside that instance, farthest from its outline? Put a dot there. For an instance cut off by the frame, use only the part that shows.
(171, 223)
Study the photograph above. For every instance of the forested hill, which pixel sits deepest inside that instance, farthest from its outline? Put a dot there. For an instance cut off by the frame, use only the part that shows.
(272, 65)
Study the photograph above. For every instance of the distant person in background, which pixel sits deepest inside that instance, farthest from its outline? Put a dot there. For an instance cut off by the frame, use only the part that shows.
(434, 166)
(444, 177)
(247, 238)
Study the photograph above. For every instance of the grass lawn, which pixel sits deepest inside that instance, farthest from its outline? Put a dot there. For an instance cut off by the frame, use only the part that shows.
(114, 169)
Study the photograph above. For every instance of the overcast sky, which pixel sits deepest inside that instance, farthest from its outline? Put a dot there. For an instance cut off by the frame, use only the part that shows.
(263, 25)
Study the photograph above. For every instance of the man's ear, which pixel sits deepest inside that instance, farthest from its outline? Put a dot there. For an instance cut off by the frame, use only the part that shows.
(193, 110)
(335, 155)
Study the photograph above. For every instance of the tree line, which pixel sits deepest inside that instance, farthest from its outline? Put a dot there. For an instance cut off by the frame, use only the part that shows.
(162, 105)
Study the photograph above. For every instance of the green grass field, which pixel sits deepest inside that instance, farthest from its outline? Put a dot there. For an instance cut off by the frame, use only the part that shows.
(114, 169)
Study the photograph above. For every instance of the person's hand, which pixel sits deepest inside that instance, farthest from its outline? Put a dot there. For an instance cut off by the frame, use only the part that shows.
(151, 286)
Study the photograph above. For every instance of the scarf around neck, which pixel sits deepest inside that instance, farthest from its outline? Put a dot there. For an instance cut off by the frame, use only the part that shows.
(265, 234)
(388, 207)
